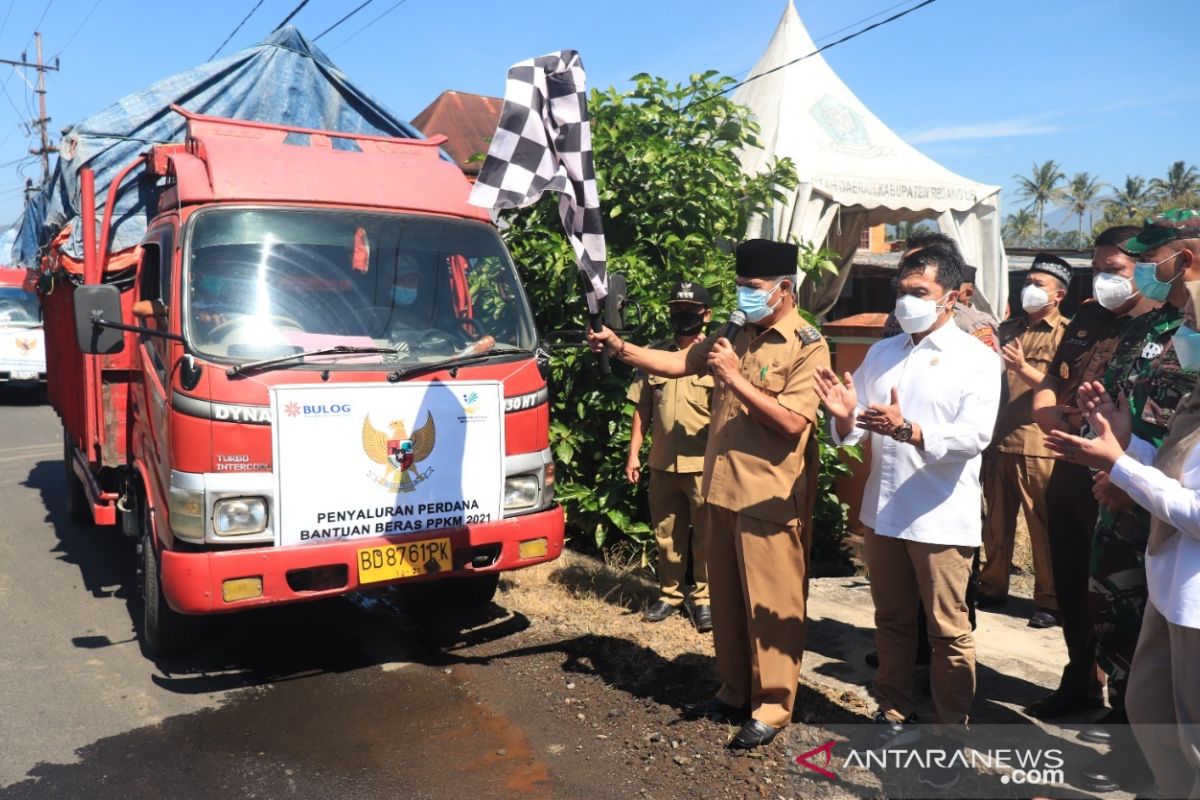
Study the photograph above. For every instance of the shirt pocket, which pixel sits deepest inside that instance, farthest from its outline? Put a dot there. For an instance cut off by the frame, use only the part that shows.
(699, 391)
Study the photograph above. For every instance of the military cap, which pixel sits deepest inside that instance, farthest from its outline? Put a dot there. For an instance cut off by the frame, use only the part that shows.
(763, 258)
(1052, 265)
(1170, 225)
(688, 292)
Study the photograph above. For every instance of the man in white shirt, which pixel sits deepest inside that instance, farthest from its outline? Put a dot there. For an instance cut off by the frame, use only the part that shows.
(929, 402)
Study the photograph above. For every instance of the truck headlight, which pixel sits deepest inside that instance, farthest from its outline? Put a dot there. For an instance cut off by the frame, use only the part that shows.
(186, 509)
(238, 516)
(521, 491)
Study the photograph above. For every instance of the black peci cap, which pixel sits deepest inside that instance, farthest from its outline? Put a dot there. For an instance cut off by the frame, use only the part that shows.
(763, 258)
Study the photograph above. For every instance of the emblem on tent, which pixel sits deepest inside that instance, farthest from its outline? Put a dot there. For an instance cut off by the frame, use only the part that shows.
(846, 129)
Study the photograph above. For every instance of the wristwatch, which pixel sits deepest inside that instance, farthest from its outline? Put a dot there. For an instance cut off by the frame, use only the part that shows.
(903, 432)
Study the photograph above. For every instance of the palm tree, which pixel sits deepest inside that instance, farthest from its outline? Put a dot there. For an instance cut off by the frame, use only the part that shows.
(1041, 188)
(1019, 228)
(1182, 181)
(1134, 200)
(1081, 196)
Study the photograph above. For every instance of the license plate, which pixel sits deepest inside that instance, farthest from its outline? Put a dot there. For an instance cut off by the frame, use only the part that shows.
(391, 561)
(23, 376)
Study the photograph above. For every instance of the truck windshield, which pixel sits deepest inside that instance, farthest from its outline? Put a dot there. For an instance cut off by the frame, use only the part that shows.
(19, 308)
(264, 283)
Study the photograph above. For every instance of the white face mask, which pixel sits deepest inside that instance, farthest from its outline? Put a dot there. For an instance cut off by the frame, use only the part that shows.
(916, 315)
(1034, 298)
(1111, 291)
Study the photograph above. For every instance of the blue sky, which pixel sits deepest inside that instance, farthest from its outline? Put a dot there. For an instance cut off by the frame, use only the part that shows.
(986, 87)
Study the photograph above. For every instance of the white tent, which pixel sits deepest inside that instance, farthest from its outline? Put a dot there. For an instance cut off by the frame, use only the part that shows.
(855, 171)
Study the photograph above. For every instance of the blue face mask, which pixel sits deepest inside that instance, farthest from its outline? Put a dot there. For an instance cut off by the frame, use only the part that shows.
(403, 295)
(1145, 277)
(753, 302)
(1187, 348)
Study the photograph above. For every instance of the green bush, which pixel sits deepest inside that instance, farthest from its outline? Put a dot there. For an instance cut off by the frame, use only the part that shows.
(675, 201)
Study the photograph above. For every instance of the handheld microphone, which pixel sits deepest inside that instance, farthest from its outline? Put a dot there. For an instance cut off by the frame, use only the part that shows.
(736, 321)
(733, 327)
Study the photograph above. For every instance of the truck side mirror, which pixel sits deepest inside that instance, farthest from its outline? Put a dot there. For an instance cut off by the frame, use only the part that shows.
(614, 301)
(95, 304)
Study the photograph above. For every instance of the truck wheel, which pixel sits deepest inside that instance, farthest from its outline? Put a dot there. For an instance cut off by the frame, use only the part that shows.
(164, 630)
(77, 502)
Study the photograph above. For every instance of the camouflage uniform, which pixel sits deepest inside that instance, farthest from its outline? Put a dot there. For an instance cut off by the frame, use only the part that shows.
(1146, 368)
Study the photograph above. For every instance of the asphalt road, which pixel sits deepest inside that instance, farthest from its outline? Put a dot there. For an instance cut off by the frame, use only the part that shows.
(322, 700)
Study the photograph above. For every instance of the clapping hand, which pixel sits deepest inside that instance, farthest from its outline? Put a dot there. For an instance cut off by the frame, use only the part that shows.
(1013, 355)
(837, 394)
(1094, 402)
(883, 418)
(1099, 453)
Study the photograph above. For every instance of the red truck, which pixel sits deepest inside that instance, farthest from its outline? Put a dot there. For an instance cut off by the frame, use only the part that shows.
(317, 373)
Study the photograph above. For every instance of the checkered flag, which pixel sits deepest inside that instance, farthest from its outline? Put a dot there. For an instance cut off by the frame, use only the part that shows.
(544, 144)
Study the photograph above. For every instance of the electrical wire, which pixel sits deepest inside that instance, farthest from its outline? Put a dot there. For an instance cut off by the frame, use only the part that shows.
(390, 9)
(288, 18)
(38, 24)
(4, 24)
(360, 7)
(827, 36)
(245, 19)
(820, 49)
(78, 28)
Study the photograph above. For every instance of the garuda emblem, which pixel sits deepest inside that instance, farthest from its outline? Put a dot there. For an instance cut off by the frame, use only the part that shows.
(400, 452)
(26, 345)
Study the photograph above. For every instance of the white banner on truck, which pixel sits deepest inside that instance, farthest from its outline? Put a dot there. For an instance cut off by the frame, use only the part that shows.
(22, 352)
(362, 460)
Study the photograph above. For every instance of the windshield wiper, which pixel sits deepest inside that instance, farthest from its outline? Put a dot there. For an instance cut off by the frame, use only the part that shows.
(340, 349)
(454, 361)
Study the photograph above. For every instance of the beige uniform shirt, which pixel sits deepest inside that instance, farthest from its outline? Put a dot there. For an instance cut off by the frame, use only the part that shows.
(1016, 432)
(748, 467)
(679, 410)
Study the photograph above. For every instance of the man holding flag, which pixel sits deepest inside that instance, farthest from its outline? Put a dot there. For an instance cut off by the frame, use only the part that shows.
(760, 470)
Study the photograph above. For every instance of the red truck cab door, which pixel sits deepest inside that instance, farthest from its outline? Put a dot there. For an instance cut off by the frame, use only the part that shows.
(152, 413)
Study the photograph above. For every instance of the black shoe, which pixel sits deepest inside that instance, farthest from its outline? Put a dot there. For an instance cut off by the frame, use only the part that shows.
(1116, 771)
(1045, 618)
(715, 709)
(938, 777)
(659, 611)
(872, 659)
(1100, 731)
(987, 601)
(1060, 704)
(894, 735)
(702, 617)
(753, 734)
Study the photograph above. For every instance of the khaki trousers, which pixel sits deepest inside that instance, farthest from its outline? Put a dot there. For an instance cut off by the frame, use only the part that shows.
(1013, 481)
(1163, 703)
(758, 577)
(904, 573)
(676, 510)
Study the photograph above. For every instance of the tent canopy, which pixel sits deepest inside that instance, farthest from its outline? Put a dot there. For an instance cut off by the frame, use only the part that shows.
(283, 80)
(855, 171)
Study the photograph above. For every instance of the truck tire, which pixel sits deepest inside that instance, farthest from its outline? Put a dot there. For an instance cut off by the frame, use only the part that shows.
(164, 630)
(78, 510)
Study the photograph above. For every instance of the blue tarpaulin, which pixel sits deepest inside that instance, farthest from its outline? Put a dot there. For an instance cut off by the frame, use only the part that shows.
(284, 80)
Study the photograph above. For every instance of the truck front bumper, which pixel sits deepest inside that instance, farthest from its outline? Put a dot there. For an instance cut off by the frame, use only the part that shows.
(196, 583)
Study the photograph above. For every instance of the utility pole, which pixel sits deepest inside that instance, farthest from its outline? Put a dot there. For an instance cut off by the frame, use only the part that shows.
(43, 121)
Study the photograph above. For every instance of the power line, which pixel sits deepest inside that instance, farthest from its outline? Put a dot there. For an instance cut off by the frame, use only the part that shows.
(360, 7)
(38, 24)
(288, 18)
(235, 30)
(3, 24)
(78, 28)
(825, 36)
(390, 9)
(820, 49)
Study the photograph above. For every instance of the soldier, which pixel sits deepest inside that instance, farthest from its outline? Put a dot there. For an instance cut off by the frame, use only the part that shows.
(677, 412)
(1086, 348)
(1018, 465)
(1145, 372)
(759, 483)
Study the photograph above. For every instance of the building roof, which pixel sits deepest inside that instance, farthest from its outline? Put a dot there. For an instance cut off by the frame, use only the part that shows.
(468, 122)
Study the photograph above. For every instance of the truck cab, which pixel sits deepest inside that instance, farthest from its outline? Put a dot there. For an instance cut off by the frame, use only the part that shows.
(22, 342)
(316, 266)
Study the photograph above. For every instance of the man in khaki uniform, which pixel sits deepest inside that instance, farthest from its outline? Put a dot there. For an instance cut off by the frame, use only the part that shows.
(760, 472)
(677, 412)
(1017, 470)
